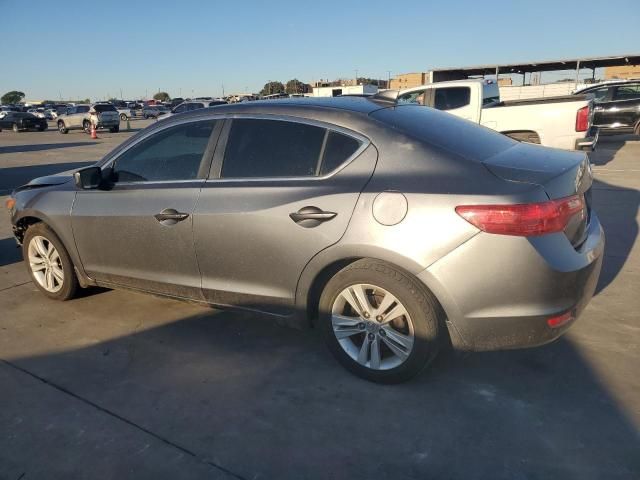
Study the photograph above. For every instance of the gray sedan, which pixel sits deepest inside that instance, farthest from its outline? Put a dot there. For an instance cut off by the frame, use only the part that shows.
(391, 229)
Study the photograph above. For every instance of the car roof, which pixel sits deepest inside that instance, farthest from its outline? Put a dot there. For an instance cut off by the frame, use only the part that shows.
(609, 84)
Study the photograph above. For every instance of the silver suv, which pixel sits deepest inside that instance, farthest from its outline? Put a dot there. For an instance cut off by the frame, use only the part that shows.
(101, 115)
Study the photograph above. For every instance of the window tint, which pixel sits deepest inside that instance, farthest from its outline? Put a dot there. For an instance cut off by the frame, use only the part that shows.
(82, 109)
(272, 148)
(104, 108)
(172, 154)
(338, 148)
(195, 106)
(599, 94)
(453, 97)
(413, 97)
(627, 92)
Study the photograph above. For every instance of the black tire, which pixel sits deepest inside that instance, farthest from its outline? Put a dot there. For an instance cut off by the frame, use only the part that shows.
(70, 281)
(15, 128)
(425, 312)
(43, 128)
(86, 126)
(123, 117)
(62, 128)
(115, 129)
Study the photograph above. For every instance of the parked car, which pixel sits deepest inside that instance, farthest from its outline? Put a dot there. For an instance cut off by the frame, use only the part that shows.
(617, 106)
(392, 229)
(176, 101)
(18, 121)
(38, 112)
(50, 114)
(154, 111)
(124, 112)
(100, 115)
(192, 105)
(561, 122)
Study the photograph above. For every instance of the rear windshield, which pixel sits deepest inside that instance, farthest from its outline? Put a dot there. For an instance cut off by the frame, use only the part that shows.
(104, 108)
(444, 130)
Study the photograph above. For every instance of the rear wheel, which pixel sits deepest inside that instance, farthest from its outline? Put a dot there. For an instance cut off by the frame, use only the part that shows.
(42, 128)
(123, 117)
(115, 129)
(62, 128)
(15, 128)
(379, 322)
(48, 263)
(86, 126)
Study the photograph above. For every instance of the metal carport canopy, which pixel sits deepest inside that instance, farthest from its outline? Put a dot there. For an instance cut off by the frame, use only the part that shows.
(544, 66)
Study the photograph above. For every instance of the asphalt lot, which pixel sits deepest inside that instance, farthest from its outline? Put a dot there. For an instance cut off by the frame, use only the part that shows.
(122, 385)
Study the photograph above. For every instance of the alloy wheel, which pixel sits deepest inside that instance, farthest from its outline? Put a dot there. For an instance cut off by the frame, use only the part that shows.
(45, 264)
(372, 326)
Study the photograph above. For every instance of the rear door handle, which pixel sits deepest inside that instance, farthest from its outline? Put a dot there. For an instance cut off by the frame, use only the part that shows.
(169, 216)
(309, 217)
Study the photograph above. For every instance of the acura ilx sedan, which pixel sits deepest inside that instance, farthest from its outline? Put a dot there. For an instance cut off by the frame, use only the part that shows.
(393, 229)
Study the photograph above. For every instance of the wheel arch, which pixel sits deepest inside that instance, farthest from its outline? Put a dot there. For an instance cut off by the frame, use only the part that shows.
(530, 136)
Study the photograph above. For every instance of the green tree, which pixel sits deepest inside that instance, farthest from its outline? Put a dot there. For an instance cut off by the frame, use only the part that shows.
(272, 87)
(12, 97)
(296, 86)
(162, 97)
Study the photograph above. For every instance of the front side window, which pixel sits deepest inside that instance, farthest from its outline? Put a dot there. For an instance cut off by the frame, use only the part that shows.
(452, 97)
(195, 106)
(171, 154)
(413, 97)
(627, 92)
(272, 148)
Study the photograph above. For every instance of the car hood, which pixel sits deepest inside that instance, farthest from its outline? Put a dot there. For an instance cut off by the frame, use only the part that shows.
(48, 180)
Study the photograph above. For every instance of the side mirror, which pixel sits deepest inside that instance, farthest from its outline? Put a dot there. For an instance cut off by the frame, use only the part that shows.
(88, 178)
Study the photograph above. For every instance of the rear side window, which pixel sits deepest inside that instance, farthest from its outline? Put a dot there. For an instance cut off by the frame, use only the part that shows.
(272, 148)
(337, 150)
(452, 97)
(171, 154)
(82, 109)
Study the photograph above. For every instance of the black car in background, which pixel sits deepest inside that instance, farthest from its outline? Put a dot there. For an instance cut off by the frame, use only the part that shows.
(617, 106)
(23, 121)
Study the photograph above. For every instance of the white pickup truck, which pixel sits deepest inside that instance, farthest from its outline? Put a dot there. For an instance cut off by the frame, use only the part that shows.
(560, 122)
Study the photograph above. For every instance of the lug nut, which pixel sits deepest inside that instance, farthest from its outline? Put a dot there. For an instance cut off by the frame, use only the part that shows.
(383, 333)
(365, 315)
(361, 325)
(372, 336)
(379, 318)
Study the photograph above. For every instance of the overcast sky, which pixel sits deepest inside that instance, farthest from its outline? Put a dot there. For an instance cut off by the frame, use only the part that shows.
(78, 49)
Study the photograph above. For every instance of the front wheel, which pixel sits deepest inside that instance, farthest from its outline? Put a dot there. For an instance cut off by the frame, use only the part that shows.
(123, 117)
(115, 129)
(62, 128)
(379, 322)
(48, 263)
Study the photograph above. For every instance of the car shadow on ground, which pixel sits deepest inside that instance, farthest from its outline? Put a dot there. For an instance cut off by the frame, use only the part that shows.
(264, 401)
(43, 146)
(608, 146)
(13, 177)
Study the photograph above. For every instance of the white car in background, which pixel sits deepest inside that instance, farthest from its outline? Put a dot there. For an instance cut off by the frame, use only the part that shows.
(125, 113)
(38, 112)
(51, 114)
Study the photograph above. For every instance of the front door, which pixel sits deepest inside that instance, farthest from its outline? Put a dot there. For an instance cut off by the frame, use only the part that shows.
(282, 191)
(139, 232)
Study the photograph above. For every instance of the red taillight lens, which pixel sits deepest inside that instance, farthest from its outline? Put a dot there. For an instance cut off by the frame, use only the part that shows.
(582, 119)
(528, 219)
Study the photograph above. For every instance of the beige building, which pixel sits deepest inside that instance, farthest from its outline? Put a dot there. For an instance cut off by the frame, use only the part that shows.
(626, 71)
(408, 80)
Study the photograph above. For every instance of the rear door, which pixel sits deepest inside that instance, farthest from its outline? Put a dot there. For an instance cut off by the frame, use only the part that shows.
(281, 190)
(622, 110)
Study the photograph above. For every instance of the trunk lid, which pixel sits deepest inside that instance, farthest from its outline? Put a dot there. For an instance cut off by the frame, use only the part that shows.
(560, 173)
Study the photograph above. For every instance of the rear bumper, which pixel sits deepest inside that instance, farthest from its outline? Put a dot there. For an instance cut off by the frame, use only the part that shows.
(498, 291)
(589, 142)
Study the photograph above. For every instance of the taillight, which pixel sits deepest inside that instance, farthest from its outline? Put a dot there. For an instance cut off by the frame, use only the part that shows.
(559, 320)
(526, 219)
(582, 119)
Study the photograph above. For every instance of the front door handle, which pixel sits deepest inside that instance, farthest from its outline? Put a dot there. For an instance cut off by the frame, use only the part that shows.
(309, 217)
(169, 216)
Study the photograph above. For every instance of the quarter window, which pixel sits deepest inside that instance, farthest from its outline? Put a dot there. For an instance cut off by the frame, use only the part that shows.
(337, 150)
(172, 154)
(272, 148)
(452, 97)
(413, 97)
(627, 92)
